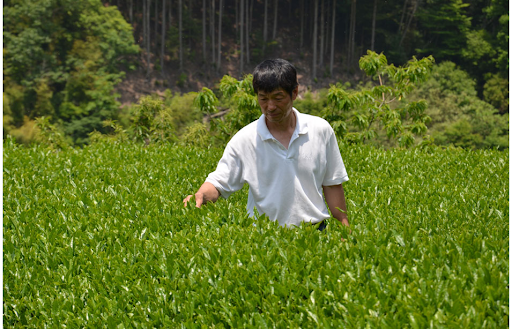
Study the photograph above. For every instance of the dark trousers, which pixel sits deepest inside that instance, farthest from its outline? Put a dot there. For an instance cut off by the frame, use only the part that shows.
(322, 226)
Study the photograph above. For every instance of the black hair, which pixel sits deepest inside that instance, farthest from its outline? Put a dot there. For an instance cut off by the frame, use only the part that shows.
(272, 74)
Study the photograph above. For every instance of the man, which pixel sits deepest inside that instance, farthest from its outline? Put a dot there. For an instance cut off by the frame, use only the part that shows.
(286, 157)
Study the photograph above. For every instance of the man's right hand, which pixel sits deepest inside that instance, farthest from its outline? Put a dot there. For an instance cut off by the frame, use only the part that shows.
(199, 200)
(207, 193)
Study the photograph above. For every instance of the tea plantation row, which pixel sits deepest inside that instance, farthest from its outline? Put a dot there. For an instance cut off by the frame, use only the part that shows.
(98, 237)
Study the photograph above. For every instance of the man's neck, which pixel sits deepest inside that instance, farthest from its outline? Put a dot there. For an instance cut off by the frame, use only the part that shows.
(287, 125)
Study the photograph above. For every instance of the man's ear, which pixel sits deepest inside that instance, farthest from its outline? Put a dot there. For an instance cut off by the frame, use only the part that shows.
(295, 93)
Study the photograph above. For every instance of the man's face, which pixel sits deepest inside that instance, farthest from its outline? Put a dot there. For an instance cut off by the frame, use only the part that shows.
(277, 105)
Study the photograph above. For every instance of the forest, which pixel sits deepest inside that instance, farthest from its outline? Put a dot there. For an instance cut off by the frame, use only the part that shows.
(76, 68)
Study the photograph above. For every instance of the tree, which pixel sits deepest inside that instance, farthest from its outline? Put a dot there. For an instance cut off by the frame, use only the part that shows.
(409, 20)
(247, 24)
(212, 29)
(352, 35)
(67, 70)
(354, 114)
(242, 37)
(156, 26)
(332, 35)
(204, 30)
(301, 23)
(274, 30)
(265, 24)
(438, 17)
(220, 35)
(163, 37)
(180, 29)
(322, 34)
(131, 12)
(148, 39)
(374, 18)
(245, 110)
(315, 40)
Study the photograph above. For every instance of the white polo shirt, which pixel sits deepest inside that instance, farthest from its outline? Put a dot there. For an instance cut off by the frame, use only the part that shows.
(285, 184)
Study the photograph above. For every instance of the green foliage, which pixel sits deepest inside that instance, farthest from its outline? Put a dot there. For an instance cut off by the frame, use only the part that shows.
(206, 101)
(60, 61)
(116, 136)
(445, 26)
(181, 109)
(150, 123)
(497, 15)
(496, 93)
(197, 135)
(98, 236)
(458, 116)
(245, 110)
(182, 79)
(42, 132)
(26, 134)
(312, 103)
(49, 135)
(156, 118)
(479, 49)
(355, 114)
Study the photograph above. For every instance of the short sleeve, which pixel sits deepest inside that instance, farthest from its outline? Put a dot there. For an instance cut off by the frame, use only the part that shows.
(335, 172)
(227, 178)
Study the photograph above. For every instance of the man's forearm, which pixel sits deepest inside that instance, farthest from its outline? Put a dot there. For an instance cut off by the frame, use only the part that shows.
(335, 198)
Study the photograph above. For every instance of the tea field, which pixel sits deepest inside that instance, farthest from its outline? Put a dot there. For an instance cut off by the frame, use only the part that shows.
(98, 237)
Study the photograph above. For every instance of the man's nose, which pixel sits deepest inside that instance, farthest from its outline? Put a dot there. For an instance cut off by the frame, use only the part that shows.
(271, 105)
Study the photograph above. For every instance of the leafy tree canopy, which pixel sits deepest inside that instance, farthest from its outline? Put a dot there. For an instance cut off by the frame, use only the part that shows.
(60, 60)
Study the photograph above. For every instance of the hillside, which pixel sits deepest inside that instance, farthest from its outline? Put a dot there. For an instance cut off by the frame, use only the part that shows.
(199, 75)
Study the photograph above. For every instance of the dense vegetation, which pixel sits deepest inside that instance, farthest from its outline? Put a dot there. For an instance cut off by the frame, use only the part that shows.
(63, 59)
(98, 236)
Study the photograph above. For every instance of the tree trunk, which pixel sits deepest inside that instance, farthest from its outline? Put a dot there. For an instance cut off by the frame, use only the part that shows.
(373, 24)
(170, 13)
(144, 36)
(250, 16)
(247, 23)
(190, 9)
(301, 24)
(322, 34)
(212, 28)
(315, 40)
(180, 32)
(237, 18)
(220, 35)
(265, 20)
(163, 37)
(332, 35)
(274, 32)
(400, 26)
(311, 22)
(409, 21)
(204, 31)
(242, 37)
(156, 27)
(148, 42)
(352, 34)
(131, 12)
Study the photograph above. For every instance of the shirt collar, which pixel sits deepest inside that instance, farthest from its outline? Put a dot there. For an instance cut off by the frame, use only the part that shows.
(301, 126)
